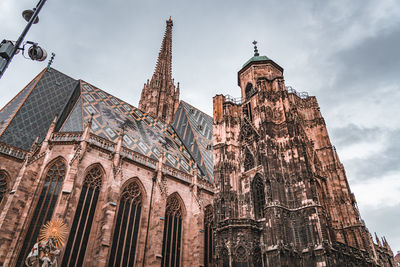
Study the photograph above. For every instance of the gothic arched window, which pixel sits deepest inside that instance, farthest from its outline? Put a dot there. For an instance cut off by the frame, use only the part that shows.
(44, 207)
(248, 160)
(84, 214)
(248, 90)
(126, 227)
(240, 257)
(171, 249)
(3, 184)
(208, 235)
(258, 196)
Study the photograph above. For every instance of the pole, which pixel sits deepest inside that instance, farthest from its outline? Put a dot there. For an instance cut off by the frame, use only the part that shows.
(24, 32)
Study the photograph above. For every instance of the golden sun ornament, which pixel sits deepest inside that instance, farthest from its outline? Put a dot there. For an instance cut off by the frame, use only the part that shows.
(55, 229)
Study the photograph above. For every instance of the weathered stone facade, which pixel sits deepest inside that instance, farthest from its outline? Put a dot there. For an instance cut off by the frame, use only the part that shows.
(259, 184)
(79, 152)
(286, 201)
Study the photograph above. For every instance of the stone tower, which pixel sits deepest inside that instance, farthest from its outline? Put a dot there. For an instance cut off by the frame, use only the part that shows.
(282, 195)
(160, 97)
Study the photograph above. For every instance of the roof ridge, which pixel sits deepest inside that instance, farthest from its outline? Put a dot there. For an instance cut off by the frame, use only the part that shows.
(197, 109)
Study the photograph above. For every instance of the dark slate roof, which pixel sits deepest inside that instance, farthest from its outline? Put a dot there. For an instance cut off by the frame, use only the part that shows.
(30, 113)
(194, 127)
(143, 134)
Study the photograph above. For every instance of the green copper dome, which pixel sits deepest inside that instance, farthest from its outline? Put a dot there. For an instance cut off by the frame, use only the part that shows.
(254, 59)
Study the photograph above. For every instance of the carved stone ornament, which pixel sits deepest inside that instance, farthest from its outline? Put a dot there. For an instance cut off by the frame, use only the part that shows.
(240, 254)
(174, 207)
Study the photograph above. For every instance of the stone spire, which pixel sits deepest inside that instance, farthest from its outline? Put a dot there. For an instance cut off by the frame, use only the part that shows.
(160, 97)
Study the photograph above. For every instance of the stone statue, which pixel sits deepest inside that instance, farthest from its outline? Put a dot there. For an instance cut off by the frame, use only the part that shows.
(46, 251)
(43, 254)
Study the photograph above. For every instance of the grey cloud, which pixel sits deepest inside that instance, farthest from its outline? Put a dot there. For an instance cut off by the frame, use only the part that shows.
(375, 165)
(371, 62)
(385, 222)
(378, 165)
(352, 133)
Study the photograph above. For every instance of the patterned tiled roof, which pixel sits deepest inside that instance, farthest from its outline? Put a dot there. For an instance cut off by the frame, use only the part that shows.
(143, 133)
(194, 127)
(31, 112)
(53, 93)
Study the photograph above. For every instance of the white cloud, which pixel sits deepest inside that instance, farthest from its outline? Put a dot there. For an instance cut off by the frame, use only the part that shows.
(378, 192)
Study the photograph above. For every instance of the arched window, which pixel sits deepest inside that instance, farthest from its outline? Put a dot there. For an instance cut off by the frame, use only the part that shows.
(3, 184)
(208, 236)
(248, 160)
(126, 227)
(171, 249)
(248, 90)
(258, 196)
(82, 223)
(240, 257)
(44, 208)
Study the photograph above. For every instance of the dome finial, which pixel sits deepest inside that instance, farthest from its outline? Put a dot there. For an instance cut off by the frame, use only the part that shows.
(256, 54)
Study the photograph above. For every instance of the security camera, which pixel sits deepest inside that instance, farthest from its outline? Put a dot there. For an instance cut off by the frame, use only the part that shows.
(35, 52)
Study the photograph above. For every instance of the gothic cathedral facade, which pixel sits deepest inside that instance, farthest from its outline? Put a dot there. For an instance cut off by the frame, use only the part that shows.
(257, 184)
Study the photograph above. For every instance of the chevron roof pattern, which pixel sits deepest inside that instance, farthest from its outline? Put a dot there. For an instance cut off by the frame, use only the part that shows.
(194, 127)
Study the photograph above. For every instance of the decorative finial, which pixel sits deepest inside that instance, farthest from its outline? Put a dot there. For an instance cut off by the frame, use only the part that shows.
(256, 54)
(51, 60)
(169, 21)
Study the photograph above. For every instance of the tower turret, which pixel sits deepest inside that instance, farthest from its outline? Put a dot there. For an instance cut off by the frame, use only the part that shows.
(257, 68)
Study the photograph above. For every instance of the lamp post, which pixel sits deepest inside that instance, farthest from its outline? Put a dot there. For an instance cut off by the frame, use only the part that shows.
(8, 49)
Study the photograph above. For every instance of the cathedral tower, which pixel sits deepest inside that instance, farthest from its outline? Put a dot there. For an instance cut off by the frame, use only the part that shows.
(282, 195)
(160, 97)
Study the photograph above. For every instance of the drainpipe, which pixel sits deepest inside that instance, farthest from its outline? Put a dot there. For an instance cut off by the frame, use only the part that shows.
(148, 221)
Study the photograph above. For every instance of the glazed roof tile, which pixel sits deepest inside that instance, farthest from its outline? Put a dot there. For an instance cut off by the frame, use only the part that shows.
(142, 133)
(195, 129)
(31, 112)
(53, 93)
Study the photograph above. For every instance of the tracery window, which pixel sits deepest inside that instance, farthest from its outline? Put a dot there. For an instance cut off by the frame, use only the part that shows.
(44, 207)
(258, 196)
(3, 184)
(126, 227)
(82, 223)
(248, 160)
(240, 257)
(172, 233)
(208, 236)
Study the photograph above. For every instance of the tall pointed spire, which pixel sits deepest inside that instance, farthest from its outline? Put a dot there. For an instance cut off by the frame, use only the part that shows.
(160, 97)
(164, 61)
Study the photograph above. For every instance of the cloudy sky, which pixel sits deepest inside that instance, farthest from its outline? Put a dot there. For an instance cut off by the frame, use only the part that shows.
(344, 52)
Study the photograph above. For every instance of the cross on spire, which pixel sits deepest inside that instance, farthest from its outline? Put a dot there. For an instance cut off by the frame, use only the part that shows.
(256, 54)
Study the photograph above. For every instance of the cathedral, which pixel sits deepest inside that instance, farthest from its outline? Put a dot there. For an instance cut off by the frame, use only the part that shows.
(258, 183)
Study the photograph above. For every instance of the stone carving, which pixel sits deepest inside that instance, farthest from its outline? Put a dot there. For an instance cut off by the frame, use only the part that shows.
(93, 178)
(174, 207)
(46, 252)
